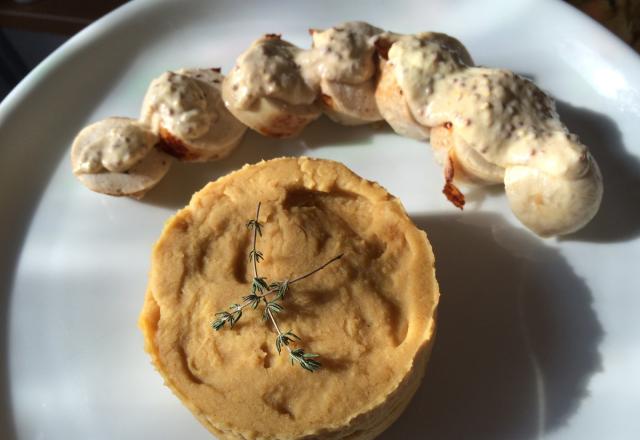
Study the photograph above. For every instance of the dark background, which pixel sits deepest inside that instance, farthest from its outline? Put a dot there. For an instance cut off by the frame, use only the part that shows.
(31, 30)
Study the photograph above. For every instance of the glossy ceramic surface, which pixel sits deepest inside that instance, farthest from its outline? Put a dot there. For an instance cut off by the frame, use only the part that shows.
(537, 338)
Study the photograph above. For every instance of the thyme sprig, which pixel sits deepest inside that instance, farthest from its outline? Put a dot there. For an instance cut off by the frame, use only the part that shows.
(261, 291)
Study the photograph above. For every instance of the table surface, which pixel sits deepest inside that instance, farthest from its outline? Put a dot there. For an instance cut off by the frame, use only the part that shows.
(622, 17)
(63, 17)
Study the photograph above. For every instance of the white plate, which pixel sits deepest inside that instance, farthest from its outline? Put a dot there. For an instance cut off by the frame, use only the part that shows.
(537, 338)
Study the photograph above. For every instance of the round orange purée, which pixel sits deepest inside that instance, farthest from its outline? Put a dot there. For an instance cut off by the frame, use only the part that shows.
(369, 315)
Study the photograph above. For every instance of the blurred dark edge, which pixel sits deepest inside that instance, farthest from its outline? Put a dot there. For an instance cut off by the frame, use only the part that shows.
(31, 30)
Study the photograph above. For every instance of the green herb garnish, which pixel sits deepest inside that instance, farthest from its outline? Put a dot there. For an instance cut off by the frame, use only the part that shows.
(270, 295)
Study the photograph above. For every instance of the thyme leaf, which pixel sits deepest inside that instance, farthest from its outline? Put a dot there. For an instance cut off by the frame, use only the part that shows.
(260, 290)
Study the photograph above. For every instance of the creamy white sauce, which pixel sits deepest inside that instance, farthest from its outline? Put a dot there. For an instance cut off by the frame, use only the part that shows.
(420, 62)
(117, 151)
(268, 69)
(504, 117)
(343, 53)
(182, 105)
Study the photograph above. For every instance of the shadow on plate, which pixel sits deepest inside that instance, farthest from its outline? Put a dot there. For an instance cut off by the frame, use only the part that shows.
(175, 190)
(517, 336)
(619, 215)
